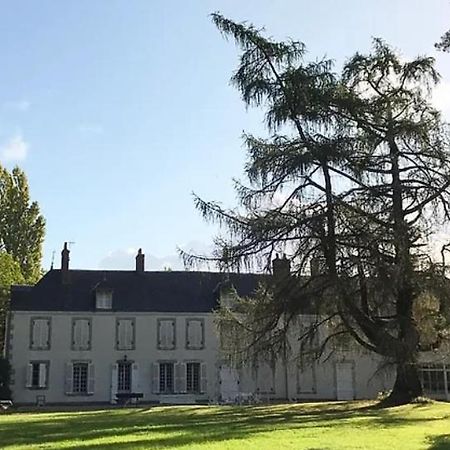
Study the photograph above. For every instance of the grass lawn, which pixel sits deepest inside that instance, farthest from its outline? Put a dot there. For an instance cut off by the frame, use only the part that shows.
(349, 425)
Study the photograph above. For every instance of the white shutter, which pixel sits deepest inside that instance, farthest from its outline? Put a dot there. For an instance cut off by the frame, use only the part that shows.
(265, 378)
(155, 378)
(29, 376)
(42, 375)
(91, 378)
(130, 334)
(180, 377)
(114, 375)
(81, 334)
(203, 378)
(44, 333)
(166, 334)
(35, 333)
(195, 334)
(68, 382)
(125, 334)
(134, 378)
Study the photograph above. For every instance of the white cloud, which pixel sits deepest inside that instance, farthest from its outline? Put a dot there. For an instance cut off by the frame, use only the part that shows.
(18, 105)
(441, 98)
(14, 149)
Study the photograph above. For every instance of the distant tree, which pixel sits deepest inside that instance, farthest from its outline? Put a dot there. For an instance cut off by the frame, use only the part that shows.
(356, 175)
(22, 226)
(10, 274)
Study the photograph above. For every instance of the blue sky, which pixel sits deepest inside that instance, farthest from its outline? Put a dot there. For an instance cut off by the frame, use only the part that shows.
(119, 110)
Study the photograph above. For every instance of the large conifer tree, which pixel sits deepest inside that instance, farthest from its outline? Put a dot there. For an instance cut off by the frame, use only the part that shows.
(361, 162)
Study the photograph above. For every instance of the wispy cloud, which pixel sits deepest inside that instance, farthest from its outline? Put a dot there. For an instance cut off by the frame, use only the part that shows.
(14, 149)
(89, 129)
(18, 105)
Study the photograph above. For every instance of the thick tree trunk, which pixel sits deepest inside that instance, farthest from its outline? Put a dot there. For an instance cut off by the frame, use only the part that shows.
(407, 385)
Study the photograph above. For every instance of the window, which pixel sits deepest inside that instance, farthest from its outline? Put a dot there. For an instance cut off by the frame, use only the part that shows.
(434, 378)
(80, 378)
(124, 377)
(125, 334)
(306, 377)
(37, 375)
(166, 334)
(166, 377)
(40, 333)
(81, 334)
(194, 334)
(193, 377)
(103, 298)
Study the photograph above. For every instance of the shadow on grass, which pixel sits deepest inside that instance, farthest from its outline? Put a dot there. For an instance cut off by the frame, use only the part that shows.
(177, 426)
(440, 442)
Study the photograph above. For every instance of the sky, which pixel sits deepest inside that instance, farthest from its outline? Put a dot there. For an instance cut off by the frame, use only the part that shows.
(118, 110)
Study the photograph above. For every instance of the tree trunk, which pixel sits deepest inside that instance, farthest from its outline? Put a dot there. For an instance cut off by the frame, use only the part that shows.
(407, 385)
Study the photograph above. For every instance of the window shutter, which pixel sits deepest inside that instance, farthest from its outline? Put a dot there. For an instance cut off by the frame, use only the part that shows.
(45, 331)
(42, 375)
(68, 378)
(114, 375)
(91, 378)
(132, 334)
(29, 376)
(134, 378)
(34, 334)
(155, 378)
(129, 332)
(180, 377)
(203, 378)
(195, 334)
(172, 334)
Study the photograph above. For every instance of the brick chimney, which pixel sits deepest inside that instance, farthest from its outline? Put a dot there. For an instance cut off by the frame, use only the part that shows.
(65, 264)
(140, 261)
(281, 268)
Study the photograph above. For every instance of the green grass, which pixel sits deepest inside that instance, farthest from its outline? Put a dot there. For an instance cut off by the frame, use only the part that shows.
(351, 425)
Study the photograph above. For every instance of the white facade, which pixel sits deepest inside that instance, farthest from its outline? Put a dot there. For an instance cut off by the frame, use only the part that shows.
(63, 357)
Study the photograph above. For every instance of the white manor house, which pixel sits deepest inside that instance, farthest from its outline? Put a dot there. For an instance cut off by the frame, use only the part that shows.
(94, 336)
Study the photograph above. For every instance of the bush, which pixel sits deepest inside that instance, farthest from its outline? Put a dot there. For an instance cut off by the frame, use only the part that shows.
(5, 376)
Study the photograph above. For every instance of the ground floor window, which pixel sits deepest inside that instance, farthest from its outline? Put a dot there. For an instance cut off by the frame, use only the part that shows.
(435, 378)
(80, 378)
(124, 377)
(37, 375)
(193, 377)
(166, 377)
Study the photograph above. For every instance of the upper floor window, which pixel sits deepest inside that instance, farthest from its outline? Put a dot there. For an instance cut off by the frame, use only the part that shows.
(103, 298)
(37, 375)
(40, 333)
(81, 334)
(125, 334)
(166, 334)
(195, 334)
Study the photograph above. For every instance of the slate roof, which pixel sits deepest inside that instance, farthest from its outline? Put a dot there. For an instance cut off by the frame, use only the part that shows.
(132, 291)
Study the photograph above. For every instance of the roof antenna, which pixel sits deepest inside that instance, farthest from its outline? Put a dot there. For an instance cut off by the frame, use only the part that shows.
(53, 260)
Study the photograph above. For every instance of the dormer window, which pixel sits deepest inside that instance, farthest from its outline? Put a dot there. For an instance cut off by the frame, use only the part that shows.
(103, 299)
